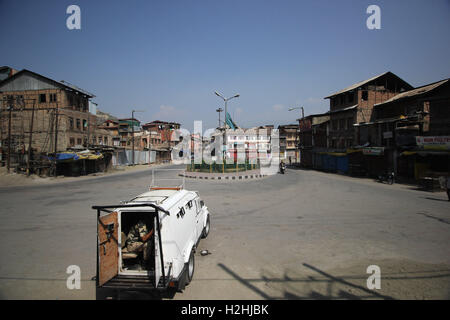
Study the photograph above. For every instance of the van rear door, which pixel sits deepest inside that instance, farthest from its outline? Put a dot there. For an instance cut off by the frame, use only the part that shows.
(108, 247)
(158, 267)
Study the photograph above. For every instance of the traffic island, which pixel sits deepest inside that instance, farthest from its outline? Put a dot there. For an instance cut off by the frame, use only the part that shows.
(226, 176)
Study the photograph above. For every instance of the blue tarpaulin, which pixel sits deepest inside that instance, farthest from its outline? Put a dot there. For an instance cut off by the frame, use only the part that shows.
(62, 157)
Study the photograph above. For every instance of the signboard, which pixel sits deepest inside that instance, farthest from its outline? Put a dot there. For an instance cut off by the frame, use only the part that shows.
(373, 151)
(434, 142)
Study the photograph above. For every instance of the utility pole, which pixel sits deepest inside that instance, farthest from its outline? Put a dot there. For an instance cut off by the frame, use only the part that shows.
(132, 136)
(31, 139)
(297, 136)
(132, 132)
(89, 125)
(56, 134)
(9, 136)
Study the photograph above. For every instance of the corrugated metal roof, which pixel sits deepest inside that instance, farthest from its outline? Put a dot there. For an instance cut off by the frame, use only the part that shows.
(356, 85)
(60, 83)
(414, 92)
(359, 84)
(345, 109)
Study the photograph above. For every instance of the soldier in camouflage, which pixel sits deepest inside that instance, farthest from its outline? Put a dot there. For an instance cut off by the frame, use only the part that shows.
(134, 241)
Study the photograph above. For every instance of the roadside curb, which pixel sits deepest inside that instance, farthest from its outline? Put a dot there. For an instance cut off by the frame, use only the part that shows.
(222, 177)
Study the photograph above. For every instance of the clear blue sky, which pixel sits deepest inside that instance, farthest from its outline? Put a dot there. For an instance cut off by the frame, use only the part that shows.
(168, 57)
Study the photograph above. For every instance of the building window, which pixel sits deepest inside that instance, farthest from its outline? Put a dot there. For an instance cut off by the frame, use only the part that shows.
(79, 141)
(84, 124)
(78, 124)
(364, 96)
(349, 123)
(72, 142)
(342, 99)
(52, 97)
(350, 97)
(42, 98)
(335, 124)
(349, 143)
(70, 122)
(342, 124)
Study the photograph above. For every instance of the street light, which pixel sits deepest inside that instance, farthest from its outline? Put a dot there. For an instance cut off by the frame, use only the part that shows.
(225, 122)
(132, 132)
(226, 100)
(219, 110)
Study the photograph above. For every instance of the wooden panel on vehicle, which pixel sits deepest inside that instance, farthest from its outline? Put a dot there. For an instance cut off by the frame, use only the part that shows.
(108, 247)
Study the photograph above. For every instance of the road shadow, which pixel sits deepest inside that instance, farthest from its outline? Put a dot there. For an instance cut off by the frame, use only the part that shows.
(436, 199)
(433, 217)
(322, 286)
(291, 293)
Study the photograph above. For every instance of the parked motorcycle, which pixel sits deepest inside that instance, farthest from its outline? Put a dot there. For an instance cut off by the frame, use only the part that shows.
(388, 177)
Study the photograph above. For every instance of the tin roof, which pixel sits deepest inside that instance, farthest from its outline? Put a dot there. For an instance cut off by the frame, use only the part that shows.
(415, 92)
(361, 83)
(59, 83)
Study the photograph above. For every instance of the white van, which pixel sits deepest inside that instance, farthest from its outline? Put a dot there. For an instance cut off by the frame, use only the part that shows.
(172, 222)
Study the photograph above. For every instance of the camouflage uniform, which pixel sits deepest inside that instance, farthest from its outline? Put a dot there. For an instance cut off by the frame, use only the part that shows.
(134, 239)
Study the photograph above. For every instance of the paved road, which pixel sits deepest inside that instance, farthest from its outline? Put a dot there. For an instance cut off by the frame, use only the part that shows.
(305, 234)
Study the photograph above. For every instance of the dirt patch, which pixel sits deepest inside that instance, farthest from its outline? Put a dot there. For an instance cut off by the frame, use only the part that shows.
(17, 179)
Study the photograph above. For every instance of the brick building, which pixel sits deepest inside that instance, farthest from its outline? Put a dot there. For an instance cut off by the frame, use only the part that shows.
(413, 131)
(163, 130)
(59, 110)
(354, 105)
(110, 128)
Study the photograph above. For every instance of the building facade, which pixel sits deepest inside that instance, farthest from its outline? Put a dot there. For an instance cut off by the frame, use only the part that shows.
(354, 105)
(289, 136)
(52, 115)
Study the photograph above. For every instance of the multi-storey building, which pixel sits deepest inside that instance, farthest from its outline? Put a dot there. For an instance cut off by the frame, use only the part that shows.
(129, 130)
(53, 114)
(289, 142)
(162, 132)
(411, 132)
(313, 137)
(354, 105)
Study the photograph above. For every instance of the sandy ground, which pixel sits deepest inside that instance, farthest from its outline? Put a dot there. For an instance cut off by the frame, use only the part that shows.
(17, 179)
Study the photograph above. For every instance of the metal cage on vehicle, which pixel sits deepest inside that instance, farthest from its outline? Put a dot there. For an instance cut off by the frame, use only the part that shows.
(107, 269)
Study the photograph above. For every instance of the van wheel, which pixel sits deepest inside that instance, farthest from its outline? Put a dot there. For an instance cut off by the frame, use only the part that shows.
(190, 268)
(206, 228)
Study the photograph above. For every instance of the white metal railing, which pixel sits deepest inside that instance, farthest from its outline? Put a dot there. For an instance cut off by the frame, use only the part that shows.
(183, 178)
